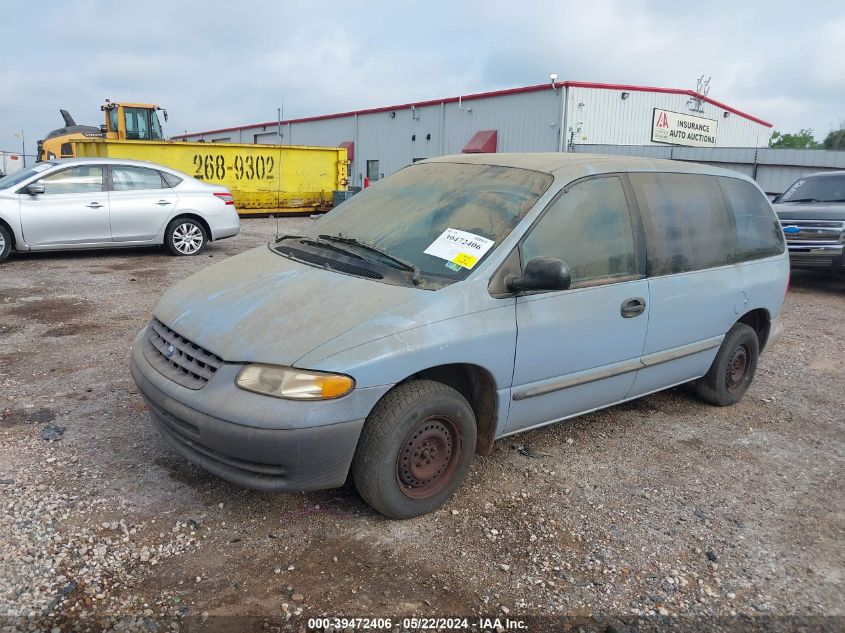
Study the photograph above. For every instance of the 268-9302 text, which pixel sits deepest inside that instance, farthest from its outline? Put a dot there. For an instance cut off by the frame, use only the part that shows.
(215, 167)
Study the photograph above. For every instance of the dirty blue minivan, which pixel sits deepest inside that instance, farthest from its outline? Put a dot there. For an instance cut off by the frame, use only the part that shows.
(458, 301)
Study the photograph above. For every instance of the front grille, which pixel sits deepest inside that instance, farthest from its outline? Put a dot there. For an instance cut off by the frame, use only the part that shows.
(816, 231)
(178, 358)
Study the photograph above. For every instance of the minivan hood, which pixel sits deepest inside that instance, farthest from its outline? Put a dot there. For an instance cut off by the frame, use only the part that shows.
(262, 307)
(810, 210)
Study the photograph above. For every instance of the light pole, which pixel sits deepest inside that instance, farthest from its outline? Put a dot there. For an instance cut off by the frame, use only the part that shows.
(23, 146)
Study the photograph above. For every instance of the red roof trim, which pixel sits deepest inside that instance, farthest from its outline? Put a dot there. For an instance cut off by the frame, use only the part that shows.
(494, 93)
(677, 91)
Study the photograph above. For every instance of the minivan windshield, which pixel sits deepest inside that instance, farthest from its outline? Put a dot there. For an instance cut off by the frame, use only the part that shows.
(816, 189)
(19, 176)
(440, 218)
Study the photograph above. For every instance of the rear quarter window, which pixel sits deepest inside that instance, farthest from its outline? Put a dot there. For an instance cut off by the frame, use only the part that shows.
(170, 180)
(759, 233)
(688, 225)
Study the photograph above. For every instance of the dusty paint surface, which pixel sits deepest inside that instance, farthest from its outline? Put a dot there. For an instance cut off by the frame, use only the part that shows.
(263, 307)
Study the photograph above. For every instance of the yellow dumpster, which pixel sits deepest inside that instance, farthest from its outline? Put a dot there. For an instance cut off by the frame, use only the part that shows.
(262, 178)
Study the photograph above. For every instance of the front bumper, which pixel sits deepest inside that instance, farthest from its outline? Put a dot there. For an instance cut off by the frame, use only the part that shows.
(273, 444)
(827, 256)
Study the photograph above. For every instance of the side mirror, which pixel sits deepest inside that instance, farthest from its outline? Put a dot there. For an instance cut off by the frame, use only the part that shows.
(35, 189)
(541, 273)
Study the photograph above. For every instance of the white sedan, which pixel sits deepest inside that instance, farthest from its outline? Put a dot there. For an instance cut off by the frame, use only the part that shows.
(83, 203)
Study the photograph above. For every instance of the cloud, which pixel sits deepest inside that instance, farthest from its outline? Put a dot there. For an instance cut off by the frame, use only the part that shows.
(218, 63)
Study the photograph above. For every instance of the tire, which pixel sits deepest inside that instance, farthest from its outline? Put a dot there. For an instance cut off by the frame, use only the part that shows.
(5, 242)
(431, 422)
(185, 237)
(733, 369)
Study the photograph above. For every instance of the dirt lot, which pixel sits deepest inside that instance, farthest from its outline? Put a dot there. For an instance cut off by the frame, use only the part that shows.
(661, 507)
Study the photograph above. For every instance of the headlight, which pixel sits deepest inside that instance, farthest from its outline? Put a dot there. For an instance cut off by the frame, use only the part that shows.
(295, 384)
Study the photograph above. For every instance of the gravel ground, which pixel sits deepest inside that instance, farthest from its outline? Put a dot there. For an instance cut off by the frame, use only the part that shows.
(658, 509)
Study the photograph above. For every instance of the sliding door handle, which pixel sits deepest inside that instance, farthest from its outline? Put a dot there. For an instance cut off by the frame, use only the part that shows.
(632, 307)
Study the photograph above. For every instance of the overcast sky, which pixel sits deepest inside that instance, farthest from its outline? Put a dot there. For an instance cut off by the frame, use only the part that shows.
(219, 63)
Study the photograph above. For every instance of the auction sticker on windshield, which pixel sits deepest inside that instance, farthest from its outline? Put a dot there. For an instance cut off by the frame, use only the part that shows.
(459, 247)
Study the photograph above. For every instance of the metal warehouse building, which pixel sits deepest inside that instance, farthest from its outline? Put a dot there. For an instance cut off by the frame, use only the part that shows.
(527, 119)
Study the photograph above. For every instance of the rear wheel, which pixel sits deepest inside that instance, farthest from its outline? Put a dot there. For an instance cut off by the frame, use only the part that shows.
(5, 242)
(733, 369)
(415, 449)
(185, 236)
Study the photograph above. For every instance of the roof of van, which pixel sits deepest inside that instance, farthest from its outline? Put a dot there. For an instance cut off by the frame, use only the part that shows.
(577, 165)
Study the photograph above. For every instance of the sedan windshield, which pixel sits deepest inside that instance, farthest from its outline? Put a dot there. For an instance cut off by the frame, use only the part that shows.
(436, 219)
(816, 189)
(19, 176)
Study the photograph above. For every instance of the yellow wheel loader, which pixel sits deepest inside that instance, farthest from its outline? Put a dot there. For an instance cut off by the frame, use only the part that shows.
(123, 121)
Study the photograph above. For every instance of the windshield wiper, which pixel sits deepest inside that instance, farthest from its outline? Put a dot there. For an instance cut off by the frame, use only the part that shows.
(410, 267)
(803, 200)
(323, 243)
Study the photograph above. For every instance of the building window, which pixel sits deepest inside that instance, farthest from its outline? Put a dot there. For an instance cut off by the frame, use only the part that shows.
(372, 170)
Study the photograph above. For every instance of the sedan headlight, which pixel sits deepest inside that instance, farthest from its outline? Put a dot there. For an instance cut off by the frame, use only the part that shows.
(294, 384)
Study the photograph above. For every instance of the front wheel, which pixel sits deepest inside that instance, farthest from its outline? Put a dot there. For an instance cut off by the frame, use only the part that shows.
(733, 369)
(415, 449)
(185, 236)
(5, 242)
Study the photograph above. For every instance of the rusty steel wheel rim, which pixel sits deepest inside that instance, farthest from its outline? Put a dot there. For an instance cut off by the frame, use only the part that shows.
(428, 457)
(738, 365)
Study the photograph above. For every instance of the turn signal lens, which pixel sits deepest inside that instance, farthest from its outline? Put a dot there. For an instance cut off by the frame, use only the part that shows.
(294, 384)
(335, 386)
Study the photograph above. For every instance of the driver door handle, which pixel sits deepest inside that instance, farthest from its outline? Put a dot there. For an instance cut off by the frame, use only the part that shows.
(632, 307)
(94, 205)
(163, 202)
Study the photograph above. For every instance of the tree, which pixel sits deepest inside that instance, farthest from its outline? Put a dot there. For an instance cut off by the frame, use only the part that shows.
(836, 139)
(802, 140)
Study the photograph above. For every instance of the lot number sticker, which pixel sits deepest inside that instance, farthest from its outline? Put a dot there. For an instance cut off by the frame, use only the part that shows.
(459, 248)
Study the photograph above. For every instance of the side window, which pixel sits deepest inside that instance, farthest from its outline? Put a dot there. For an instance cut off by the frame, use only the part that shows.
(688, 227)
(125, 178)
(79, 179)
(155, 127)
(113, 119)
(757, 229)
(170, 180)
(589, 228)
